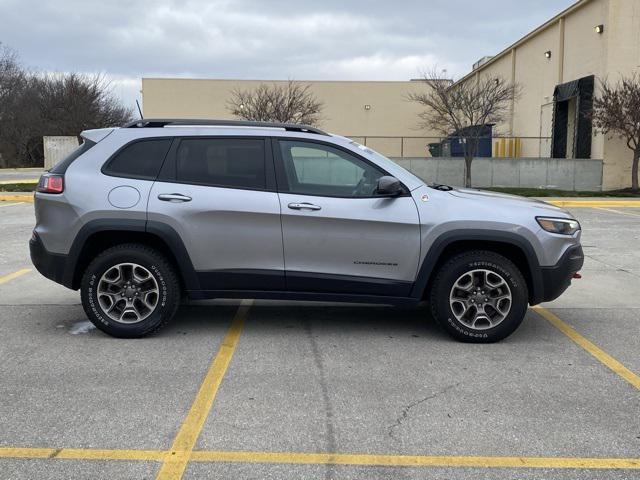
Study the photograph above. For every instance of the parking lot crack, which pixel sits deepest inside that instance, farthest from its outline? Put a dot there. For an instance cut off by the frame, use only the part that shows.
(404, 414)
(331, 444)
(615, 267)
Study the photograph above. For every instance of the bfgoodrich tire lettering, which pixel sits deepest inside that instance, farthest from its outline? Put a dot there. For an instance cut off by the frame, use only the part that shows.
(164, 279)
(499, 268)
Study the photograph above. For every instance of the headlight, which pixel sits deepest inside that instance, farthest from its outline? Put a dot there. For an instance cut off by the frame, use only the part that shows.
(563, 226)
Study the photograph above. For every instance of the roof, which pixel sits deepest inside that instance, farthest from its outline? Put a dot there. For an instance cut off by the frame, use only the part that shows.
(185, 122)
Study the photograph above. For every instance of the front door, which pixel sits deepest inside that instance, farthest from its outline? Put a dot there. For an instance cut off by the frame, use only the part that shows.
(339, 237)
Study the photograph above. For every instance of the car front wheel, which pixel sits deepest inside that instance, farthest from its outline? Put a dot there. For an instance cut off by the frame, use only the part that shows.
(479, 296)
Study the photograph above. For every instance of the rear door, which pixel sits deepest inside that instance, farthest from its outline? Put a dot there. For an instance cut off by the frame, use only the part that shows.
(339, 237)
(218, 194)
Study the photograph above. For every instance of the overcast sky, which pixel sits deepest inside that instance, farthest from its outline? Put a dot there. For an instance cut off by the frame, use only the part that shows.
(263, 39)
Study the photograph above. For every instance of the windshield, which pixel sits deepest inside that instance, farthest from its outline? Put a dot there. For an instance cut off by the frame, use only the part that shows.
(385, 162)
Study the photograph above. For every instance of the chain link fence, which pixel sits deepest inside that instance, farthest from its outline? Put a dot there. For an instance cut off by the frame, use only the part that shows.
(501, 161)
(496, 146)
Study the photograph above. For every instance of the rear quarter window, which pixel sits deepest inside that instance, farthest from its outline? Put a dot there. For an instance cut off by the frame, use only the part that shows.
(141, 159)
(61, 167)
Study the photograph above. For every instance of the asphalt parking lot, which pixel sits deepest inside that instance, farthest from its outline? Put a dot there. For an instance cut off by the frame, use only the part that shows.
(290, 390)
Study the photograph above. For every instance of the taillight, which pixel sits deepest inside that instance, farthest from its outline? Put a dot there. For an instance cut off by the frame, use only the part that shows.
(51, 183)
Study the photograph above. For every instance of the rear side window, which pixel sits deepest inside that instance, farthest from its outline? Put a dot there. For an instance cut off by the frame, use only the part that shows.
(61, 167)
(222, 162)
(141, 159)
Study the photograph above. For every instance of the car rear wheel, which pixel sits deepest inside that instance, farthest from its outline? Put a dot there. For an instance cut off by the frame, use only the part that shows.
(479, 296)
(130, 291)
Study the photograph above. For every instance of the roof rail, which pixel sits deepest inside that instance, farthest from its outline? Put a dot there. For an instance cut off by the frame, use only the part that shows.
(163, 122)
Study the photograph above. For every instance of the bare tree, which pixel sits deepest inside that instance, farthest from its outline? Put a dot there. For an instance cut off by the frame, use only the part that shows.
(11, 73)
(34, 104)
(74, 102)
(463, 109)
(292, 102)
(616, 113)
(12, 80)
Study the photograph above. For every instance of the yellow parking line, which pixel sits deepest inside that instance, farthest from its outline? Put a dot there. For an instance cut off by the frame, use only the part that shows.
(415, 460)
(10, 452)
(13, 275)
(600, 355)
(82, 454)
(10, 197)
(587, 463)
(595, 203)
(96, 454)
(176, 462)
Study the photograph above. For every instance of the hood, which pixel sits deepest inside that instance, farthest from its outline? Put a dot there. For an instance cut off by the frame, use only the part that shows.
(505, 199)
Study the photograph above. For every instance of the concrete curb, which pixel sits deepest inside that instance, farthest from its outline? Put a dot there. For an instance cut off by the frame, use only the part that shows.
(594, 203)
(22, 169)
(16, 197)
(23, 180)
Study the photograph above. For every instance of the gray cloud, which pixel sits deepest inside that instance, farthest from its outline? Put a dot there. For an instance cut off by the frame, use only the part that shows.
(278, 39)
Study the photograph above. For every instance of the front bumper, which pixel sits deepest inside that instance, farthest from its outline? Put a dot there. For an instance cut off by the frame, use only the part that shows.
(556, 279)
(51, 265)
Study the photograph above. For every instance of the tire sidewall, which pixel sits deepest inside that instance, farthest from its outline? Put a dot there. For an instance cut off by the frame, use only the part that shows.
(102, 321)
(514, 280)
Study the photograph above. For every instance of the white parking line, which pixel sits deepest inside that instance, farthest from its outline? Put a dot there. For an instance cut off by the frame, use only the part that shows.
(617, 211)
(11, 204)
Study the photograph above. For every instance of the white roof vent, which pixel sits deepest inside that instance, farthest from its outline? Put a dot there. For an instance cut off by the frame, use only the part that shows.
(482, 61)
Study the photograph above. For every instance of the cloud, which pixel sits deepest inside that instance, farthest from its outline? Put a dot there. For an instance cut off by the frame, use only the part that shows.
(278, 39)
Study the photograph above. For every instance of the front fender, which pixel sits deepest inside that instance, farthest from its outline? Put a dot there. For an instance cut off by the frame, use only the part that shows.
(450, 237)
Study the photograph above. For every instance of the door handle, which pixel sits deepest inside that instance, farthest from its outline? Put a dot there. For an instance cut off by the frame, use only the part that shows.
(173, 197)
(304, 206)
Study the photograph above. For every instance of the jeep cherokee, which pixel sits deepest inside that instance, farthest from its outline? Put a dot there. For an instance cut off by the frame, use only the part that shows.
(139, 216)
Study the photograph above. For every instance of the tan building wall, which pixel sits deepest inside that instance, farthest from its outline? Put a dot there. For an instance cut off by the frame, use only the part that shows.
(344, 113)
(576, 51)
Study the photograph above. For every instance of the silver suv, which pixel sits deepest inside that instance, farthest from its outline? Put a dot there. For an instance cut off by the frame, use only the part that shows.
(139, 216)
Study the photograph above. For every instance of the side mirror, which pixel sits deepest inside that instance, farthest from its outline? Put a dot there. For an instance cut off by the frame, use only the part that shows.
(389, 186)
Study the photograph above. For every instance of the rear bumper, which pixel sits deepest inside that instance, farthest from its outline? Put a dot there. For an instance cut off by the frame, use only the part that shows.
(556, 279)
(51, 265)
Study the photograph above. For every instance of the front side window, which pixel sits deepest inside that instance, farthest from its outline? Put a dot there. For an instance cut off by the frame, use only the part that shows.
(316, 169)
(142, 159)
(222, 162)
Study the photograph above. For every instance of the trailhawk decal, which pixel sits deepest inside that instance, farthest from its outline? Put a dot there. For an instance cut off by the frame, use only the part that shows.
(377, 264)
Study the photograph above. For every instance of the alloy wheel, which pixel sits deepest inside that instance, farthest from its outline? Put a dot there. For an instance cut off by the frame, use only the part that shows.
(128, 293)
(480, 299)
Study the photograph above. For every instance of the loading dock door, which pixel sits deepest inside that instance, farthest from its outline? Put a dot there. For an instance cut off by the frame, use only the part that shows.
(572, 129)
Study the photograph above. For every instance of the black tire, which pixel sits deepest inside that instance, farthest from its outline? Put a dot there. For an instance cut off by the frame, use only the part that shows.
(168, 286)
(452, 270)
